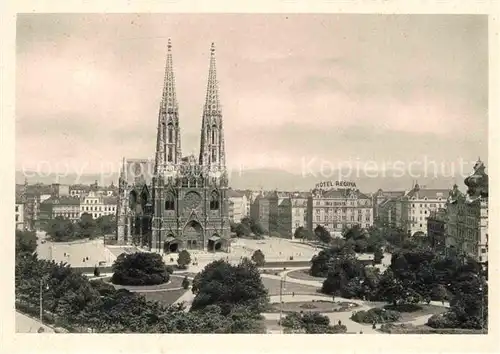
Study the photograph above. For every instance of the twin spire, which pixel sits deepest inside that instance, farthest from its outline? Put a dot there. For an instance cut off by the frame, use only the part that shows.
(168, 149)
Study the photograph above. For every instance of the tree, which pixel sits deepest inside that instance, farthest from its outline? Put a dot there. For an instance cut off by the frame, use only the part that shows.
(258, 229)
(87, 226)
(355, 232)
(106, 224)
(300, 232)
(228, 287)
(242, 230)
(140, 268)
(25, 242)
(378, 255)
(184, 259)
(439, 293)
(322, 234)
(60, 229)
(259, 258)
(185, 282)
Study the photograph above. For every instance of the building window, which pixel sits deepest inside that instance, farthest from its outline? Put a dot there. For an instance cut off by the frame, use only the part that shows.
(170, 202)
(170, 130)
(17, 208)
(17, 218)
(214, 201)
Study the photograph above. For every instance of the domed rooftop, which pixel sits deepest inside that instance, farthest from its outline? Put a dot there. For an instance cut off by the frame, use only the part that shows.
(477, 183)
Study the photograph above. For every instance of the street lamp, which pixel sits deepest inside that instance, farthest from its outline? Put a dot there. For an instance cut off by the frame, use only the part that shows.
(41, 297)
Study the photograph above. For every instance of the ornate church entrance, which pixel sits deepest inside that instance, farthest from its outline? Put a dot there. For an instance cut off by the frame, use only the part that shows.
(214, 243)
(193, 235)
(171, 245)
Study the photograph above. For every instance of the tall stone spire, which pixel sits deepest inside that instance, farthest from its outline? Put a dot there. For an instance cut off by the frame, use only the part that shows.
(168, 144)
(212, 152)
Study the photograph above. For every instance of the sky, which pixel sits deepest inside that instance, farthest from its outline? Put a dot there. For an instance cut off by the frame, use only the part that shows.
(295, 89)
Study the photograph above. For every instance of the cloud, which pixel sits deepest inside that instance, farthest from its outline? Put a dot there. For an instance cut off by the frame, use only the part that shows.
(88, 86)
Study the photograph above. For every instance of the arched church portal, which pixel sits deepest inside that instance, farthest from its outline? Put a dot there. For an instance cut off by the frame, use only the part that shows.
(214, 243)
(193, 235)
(171, 245)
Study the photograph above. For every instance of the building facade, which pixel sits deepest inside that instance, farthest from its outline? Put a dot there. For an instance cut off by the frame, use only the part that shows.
(98, 204)
(413, 209)
(238, 205)
(467, 217)
(436, 229)
(19, 212)
(65, 207)
(186, 204)
(336, 209)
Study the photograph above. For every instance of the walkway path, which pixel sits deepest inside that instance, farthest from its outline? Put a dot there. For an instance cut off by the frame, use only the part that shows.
(26, 324)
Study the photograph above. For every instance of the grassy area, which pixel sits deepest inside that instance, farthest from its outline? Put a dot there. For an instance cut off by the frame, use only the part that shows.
(164, 297)
(303, 274)
(313, 306)
(273, 286)
(175, 282)
(422, 311)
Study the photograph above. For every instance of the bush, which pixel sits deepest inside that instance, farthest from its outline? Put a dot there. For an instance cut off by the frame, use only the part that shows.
(338, 329)
(140, 268)
(376, 315)
(185, 283)
(259, 258)
(184, 259)
(403, 307)
(169, 269)
(443, 320)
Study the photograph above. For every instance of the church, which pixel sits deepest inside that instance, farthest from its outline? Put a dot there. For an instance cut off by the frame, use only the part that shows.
(175, 202)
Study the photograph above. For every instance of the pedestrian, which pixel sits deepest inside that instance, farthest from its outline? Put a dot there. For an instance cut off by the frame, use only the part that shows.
(293, 293)
(442, 301)
(374, 326)
(361, 332)
(340, 323)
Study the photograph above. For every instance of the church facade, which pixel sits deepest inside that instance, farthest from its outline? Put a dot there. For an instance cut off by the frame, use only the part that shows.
(174, 202)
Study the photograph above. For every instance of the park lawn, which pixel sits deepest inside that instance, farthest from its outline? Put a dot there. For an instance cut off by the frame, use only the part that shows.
(273, 286)
(174, 282)
(303, 274)
(311, 306)
(426, 310)
(164, 297)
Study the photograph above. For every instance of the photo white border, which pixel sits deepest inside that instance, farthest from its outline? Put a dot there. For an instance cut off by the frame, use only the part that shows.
(135, 343)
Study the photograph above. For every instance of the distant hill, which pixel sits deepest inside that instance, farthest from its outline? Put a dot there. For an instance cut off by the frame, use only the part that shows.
(269, 179)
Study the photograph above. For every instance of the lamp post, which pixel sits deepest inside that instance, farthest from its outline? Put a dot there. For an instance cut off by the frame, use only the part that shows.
(41, 297)
(281, 305)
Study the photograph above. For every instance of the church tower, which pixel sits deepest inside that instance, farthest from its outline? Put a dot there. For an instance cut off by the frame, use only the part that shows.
(168, 153)
(212, 152)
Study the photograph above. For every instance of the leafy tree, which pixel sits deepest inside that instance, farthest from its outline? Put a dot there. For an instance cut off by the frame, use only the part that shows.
(259, 258)
(106, 224)
(60, 229)
(184, 259)
(185, 283)
(378, 255)
(439, 293)
(300, 232)
(242, 230)
(87, 226)
(258, 229)
(228, 286)
(322, 234)
(355, 232)
(140, 268)
(25, 242)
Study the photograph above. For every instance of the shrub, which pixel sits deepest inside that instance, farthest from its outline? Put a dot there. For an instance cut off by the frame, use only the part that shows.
(140, 268)
(376, 315)
(403, 307)
(259, 258)
(338, 328)
(185, 283)
(169, 269)
(443, 320)
(184, 259)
